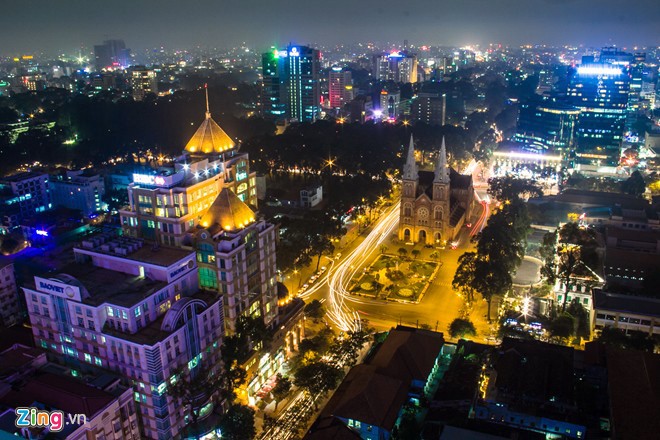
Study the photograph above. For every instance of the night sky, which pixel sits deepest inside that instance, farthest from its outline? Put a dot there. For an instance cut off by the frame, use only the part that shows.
(66, 25)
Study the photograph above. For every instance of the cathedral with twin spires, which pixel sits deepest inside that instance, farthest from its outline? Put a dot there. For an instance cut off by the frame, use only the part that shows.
(434, 204)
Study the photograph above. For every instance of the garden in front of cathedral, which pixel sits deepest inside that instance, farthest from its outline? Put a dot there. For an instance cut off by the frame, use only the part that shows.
(396, 278)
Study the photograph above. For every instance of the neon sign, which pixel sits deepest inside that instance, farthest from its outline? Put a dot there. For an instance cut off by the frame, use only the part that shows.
(294, 52)
(42, 232)
(598, 70)
(148, 179)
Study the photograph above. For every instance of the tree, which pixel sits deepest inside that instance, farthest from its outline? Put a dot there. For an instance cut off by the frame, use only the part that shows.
(402, 252)
(509, 188)
(383, 248)
(459, 328)
(435, 256)
(238, 423)
(193, 389)
(577, 311)
(492, 277)
(634, 185)
(464, 277)
(315, 309)
(563, 326)
(415, 253)
(317, 378)
(281, 389)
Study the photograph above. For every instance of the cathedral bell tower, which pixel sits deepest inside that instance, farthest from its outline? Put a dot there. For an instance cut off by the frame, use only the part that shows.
(409, 183)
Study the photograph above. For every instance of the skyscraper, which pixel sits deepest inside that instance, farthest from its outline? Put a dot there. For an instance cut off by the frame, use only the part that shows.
(273, 91)
(600, 90)
(340, 87)
(303, 65)
(143, 81)
(291, 85)
(544, 124)
(430, 105)
(396, 66)
(112, 53)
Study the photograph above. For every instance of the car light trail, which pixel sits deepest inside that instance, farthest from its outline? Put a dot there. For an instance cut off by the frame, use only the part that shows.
(339, 277)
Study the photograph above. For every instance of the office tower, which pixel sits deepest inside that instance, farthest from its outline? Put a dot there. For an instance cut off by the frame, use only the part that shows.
(143, 81)
(236, 256)
(303, 65)
(600, 91)
(273, 91)
(638, 70)
(396, 66)
(340, 88)
(31, 193)
(546, 125)
(81, 190)
(390, 97)
(130, 308)
(112, 53)
(430, 105)
(168, 202)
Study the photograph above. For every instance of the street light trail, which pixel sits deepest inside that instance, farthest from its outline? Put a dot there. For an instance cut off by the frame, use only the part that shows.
(339, 277)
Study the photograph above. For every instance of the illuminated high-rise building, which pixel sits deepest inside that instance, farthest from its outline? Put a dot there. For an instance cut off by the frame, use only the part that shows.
(396, 66)
(546, 125)
(292, 83)
(340, 87)
(303, 83)
(273, 91)
(143, 81)
(600, 91)
(113, 54)
(168, 202)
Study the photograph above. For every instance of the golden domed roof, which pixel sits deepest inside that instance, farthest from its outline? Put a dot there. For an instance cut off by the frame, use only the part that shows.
(228, 211)
(209, 137)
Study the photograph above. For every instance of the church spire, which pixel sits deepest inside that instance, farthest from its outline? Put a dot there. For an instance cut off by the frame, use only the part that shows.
(441, 169)
(410, 167)
(208, 111)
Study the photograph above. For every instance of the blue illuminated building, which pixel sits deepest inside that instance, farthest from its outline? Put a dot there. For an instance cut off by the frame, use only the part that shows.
(291, 83)
(600, 90)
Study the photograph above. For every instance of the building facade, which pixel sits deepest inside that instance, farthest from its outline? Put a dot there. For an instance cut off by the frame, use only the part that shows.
(546, 126)
(135, 310)
(303, 66)
(168, 202)
(340, 86)
(78, 190)
(236, 257)
(400, 67)
(10, 309)
(434, 204)
(143, 81)
(600, 91)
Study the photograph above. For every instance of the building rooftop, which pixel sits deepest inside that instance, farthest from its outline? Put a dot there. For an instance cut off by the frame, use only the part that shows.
(23, 176)
(136, 249)
(209, 138)
(330, 428)
(408, 354)
(18, 359)
(617, 258)
(634, 388)
(61, 392)
(600, 198)
(228, 211)
(106, 286)
(369, 397)
(532, 371)
(153, 333)
(615, 302)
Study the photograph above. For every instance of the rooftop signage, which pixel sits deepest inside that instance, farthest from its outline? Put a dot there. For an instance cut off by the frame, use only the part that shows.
(57, 288)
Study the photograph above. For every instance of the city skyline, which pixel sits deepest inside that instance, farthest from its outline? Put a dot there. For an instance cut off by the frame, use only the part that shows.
(53, 27)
